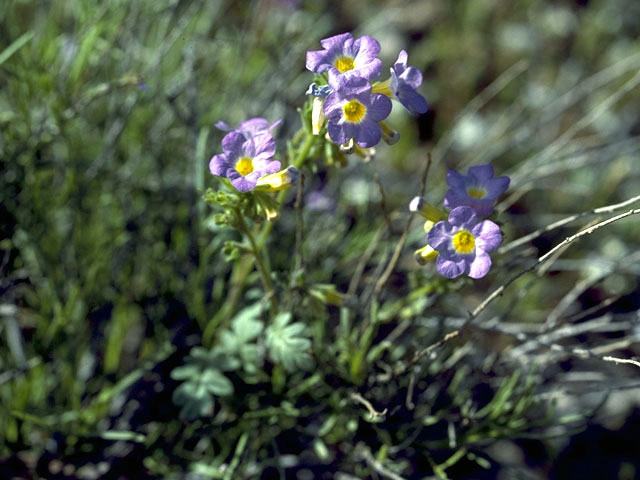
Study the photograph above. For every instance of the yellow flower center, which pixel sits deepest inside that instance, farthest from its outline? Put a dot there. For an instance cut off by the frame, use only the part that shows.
(354, 111)
(244, 166)
(344, 64)
(464, 241)
(476, 192)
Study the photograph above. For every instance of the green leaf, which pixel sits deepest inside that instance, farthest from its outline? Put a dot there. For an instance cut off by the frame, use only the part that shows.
(289, 344)
(194, 400)
(185, 372)
(246, 324)
(216, 383)
(20, 42)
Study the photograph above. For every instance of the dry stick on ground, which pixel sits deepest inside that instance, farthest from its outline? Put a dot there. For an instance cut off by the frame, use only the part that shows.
(552, 149)
(621, 360)
(540, 261)
(560, 223)
(356, 397)
(567, 241)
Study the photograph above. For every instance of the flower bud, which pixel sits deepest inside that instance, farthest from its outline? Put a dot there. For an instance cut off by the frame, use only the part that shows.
(317, 115)
(389, 135)
(279, 180)
(426, 210)
(425, 254)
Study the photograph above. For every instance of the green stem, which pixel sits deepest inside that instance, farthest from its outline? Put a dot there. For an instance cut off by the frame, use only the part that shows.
(242, 268)
(265, 274)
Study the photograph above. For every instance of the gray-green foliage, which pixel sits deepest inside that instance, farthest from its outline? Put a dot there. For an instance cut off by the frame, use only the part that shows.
(289, 344)
(110, 260)
(202, 375)
(203, 380)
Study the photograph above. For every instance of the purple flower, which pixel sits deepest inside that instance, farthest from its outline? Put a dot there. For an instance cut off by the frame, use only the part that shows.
(352, 111)
(344, 55)
(404, 84)
(250, 127)
(462, 243)
(479, 189)
(245, 160)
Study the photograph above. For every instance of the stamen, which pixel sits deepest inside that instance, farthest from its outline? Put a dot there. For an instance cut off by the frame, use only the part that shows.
(464, 241)
(344, 64)
(476, 192)
(354, 111)
(244, 166)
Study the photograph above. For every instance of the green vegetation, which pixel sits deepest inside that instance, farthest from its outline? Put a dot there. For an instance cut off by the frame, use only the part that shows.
(136, 339)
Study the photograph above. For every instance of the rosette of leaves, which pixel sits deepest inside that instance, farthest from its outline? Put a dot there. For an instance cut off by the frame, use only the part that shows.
(288, 344)
(202, 379)
(202, 375)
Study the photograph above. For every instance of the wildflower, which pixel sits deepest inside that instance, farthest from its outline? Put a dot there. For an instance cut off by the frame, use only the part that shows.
(279, 180)
(249, 128)
(353, 112)
(245, 160)
(462, 243)
(342, 54)
(403, 85)
(478, 189)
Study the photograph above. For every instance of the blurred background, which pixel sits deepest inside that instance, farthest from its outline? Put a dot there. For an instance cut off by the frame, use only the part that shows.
(110, 265)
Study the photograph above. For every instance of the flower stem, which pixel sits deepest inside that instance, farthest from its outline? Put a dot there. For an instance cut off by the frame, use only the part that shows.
(265, 274)
(242, 267)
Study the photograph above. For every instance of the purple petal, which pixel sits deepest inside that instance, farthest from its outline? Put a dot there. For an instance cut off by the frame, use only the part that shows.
(497, 186)
(264, 167)
(412, 100)
(481, 172)
(482, 206)
(317, 61)
(354, 87)
(455, 179)
(401, 62)
(380, 107)
(488, 236)
(368, 48)
(450, 268)
(333, 109)
(232, 142)
(464, 217)
(480, 265)
(260, 147)
(439, 236)
(368, 134)
(219, 164)
(337, 80)
(369, 70)
(336, 41)
(225, 127)
(242, 184)
(337, 133)
(254, 126)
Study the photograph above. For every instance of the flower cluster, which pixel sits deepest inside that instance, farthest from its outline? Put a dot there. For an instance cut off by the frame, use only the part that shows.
(353, 107)
(461, 243)
(344, 99)
(247, 157)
